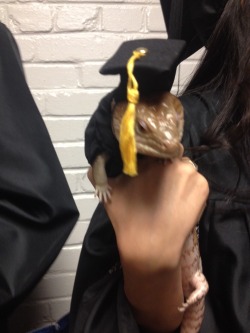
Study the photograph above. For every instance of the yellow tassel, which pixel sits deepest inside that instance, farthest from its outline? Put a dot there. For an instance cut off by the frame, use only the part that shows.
(127, 128)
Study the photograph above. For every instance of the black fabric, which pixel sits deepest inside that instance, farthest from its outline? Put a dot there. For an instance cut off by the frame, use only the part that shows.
(105, 299)
(224, 244)
(99, 254)
(99, 137)
(191, 20)
(37, 211)
(173, 14)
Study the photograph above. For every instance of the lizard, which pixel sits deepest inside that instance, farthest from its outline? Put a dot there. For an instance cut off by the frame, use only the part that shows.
(158, 132)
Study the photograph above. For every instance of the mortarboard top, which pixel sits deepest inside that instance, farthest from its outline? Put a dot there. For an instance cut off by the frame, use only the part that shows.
(145, 66)
(191, 20)
(153, 72)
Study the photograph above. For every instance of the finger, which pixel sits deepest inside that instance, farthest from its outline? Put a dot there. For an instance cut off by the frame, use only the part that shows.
(188, 160)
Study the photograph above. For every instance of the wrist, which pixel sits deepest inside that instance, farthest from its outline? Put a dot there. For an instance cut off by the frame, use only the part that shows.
(155, 298)
(151, 256)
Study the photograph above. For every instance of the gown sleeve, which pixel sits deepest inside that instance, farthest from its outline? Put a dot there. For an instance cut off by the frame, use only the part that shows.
(37, 210)
(99, 137)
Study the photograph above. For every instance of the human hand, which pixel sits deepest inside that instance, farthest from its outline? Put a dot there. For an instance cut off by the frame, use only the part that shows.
(153, 213)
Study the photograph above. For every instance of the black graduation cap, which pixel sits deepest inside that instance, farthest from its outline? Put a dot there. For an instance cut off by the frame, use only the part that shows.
(155, 71)
(191, 20)
(145, 66)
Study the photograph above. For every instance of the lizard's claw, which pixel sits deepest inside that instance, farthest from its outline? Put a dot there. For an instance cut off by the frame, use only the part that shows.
(183, 307)
(103, 192)
(200, 286)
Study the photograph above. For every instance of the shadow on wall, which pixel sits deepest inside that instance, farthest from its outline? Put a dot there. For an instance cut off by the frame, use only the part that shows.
(29, 316)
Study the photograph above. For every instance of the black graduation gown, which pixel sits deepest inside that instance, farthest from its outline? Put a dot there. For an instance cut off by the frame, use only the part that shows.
(99, 304)
(37, 210)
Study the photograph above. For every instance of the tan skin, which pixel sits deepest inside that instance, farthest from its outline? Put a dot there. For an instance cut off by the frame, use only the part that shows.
(152, 215)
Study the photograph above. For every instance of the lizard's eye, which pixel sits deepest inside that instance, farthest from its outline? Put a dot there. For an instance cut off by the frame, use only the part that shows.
(142, 126)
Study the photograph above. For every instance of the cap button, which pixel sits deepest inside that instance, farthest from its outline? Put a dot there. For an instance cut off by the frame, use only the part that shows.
(142, 50)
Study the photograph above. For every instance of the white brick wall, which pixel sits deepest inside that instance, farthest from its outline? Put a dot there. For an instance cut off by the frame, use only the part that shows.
(63, 44)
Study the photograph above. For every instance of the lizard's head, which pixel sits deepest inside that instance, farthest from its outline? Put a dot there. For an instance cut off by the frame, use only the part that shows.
(158, 125)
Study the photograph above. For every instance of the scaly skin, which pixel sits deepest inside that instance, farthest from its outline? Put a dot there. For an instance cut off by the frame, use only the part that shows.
(158, 132)
(195, 286)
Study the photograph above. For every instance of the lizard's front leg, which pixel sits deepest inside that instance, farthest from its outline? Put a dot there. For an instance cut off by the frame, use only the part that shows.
(199, 285)
(195, 286)
(102, 189)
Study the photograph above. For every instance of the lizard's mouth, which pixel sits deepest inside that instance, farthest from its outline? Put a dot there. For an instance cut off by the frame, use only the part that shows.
(163, 151)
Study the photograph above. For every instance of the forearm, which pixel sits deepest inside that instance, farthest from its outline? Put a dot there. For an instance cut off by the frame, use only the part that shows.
(155, 298)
